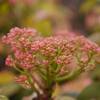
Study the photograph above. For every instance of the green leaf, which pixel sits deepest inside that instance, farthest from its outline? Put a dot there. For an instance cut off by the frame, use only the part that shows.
(91, 92)
(2, 97)
(9, 89)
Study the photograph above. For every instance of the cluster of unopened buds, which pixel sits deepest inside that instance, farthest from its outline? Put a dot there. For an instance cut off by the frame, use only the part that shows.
(48, 59)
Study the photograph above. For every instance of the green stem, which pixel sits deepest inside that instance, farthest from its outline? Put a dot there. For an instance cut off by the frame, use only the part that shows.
(30, 80)
(17, 69)
(70, 76)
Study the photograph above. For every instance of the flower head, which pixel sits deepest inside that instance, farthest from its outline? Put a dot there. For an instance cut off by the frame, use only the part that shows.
(54, 55)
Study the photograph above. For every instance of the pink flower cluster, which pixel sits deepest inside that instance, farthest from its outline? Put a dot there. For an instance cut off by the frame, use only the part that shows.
(54, 55)
(20, 42)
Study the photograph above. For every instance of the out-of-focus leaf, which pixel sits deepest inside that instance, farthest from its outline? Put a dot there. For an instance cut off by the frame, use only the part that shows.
(2, 97)
(49, 7)
(4, 8)
(95, 37)
(65, 98)
(87, 6)
(21, 93)
(9, 89)
(96, 73)
(6, 77)
(44, 27)
(62, 96)
(56, 91)
(92, 92)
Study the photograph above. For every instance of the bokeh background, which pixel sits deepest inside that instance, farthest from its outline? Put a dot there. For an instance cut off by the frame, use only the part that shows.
(51, 17)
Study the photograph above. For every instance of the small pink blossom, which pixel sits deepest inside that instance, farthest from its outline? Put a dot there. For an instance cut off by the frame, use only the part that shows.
(45, 62)
(84, 58)
(9, 61)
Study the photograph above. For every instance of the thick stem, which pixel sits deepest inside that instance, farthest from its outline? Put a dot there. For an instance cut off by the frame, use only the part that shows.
(47, 95)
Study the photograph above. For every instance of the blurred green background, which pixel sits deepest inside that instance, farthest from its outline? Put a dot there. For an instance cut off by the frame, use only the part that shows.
(50, 17)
